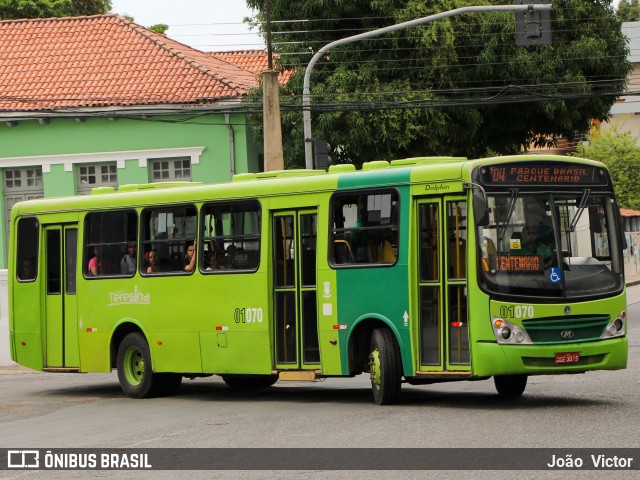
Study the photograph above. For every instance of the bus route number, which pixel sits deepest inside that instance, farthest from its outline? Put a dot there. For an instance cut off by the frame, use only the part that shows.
(517, 311)
(248, 315)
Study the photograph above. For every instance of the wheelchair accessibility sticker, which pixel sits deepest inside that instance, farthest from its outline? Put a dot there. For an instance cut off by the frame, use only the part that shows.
(554, 275)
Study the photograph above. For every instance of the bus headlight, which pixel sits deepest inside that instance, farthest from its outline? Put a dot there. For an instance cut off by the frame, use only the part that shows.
(509, 333)
(616, 328)
(505, 332)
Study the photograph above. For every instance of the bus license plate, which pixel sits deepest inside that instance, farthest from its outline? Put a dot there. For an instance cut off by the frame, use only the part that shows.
(564, 358)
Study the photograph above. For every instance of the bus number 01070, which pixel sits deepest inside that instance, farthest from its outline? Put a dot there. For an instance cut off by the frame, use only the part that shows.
(517, 311)
(248, 315)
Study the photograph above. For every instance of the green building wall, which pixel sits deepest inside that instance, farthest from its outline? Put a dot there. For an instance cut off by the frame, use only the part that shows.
(100, 135)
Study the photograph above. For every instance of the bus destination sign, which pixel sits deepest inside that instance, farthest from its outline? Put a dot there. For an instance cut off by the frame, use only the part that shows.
(516, 263)
(532, 174)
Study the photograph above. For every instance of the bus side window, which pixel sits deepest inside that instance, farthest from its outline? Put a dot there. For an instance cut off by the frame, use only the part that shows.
(27, 245)
(364, 228)
(230, 237)
(107, 238)
(167, 232)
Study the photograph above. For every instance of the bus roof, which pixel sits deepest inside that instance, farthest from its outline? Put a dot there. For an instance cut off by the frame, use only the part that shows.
(252, 185)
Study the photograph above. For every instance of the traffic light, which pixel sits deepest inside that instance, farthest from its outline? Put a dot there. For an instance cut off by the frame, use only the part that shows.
(533, 27)
(321, 158)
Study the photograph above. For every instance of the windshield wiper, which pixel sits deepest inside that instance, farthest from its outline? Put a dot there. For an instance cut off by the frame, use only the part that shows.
(512, 204)
(581, 207)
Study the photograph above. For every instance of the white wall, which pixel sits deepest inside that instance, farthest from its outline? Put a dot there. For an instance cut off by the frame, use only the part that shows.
(5, 355)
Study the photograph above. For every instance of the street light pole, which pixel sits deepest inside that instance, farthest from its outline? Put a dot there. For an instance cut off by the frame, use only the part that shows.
(306, 92)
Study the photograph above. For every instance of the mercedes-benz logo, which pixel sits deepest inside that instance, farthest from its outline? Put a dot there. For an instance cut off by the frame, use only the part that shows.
(567, 310)
(567, 334)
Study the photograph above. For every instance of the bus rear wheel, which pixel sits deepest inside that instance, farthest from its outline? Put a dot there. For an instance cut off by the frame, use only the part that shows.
(135, 372)
(385, 367)
(510, 386)
(249, 382)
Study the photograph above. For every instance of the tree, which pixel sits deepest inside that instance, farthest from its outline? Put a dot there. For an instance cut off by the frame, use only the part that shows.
(620, 152)
(628, 11)
(13, 9)
(160, 28)
(457, 86)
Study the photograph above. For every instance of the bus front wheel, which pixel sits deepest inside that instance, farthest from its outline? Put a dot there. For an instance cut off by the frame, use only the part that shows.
(385, 367)
(510, 386)
(134, 367)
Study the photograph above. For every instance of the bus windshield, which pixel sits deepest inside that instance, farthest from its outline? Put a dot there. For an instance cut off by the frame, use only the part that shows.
(559, 245)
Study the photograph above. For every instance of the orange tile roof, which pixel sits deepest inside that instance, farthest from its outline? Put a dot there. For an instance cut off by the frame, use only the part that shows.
(626, 212)
(254, 61)
(106, 60)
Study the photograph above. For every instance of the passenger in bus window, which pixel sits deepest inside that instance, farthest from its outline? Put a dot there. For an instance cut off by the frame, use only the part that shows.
(151, 261)
(211, 262)
(128, 262)
(94, 262)
(190, 257)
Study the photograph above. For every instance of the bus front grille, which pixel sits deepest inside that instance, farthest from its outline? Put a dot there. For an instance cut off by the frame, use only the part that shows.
(566, 329)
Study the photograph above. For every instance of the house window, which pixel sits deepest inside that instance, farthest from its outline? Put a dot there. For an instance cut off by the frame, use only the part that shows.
(23, 178)
(96, 175)
(20, 184)
(170, 169)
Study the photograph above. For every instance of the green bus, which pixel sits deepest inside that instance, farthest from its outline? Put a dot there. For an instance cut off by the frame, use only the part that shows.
(420, 270)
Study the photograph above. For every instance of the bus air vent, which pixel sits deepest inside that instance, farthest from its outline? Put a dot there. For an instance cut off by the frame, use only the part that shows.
(135, 187)
(342, 168)
(426, 161)
(375, 165)
(102, 190)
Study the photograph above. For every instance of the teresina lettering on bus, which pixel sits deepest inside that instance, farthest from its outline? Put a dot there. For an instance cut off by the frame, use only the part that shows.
(122, 297)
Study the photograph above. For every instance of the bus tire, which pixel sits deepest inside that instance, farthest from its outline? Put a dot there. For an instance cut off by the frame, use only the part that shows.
(510, 386)
(385, 367)
(249, 382)
(135, 371)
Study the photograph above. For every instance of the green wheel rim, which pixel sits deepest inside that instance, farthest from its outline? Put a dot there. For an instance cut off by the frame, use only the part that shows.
(374, 366)
(134, 366)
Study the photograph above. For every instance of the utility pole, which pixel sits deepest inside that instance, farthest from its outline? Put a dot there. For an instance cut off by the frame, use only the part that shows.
(530, 34)
(272, 126)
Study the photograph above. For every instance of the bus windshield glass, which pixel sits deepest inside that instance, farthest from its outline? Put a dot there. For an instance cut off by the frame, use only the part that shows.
(558, 245)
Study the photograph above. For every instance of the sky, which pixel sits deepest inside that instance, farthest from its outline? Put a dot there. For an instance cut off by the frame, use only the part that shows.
(208, 25)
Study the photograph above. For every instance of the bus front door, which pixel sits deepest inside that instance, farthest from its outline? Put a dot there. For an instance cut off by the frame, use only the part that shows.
(61, 251)
(294, 285)
(442, 280)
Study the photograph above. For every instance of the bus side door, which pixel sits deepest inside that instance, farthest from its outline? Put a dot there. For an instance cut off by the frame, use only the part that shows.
(61, 327)
(442, 285)
(294, 285)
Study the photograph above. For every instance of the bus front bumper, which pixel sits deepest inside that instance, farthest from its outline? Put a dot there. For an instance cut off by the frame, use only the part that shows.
(490, 358)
